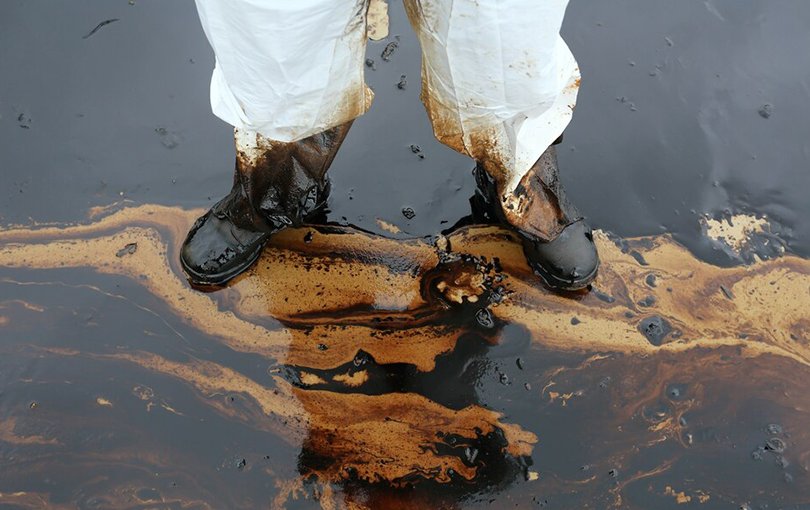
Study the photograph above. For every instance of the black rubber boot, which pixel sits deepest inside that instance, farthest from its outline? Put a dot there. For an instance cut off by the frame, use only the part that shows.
(557, 241)
(279, 185)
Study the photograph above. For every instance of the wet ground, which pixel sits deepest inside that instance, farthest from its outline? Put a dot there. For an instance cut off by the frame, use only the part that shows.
(394, 368)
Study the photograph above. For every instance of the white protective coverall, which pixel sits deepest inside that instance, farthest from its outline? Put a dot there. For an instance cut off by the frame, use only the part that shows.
(498, 81)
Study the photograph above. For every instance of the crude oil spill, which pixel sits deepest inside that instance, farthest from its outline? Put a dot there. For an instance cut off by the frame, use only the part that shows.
(352, 371)
(382, 382)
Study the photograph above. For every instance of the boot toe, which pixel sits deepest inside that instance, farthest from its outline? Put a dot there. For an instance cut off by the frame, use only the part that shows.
(215, 250)
(570, 262)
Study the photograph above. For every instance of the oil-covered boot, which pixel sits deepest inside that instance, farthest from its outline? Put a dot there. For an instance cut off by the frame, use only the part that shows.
(276, 185)
(557, 241)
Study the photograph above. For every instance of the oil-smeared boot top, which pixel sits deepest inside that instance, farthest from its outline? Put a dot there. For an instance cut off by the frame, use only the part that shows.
(281, 185)
(557, 242)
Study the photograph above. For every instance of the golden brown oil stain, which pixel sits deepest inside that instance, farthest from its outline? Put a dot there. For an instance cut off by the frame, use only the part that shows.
(104, 402)
(125, 498)
(273, 410)
(734, 231)
(378, 21)
(380, 279)
(399, 438)
(22, 499)
(336, 314)
(388, 227)
(8, 434)
(681, 497)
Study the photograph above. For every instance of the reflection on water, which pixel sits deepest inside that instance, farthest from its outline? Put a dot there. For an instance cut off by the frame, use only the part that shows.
(349, 370)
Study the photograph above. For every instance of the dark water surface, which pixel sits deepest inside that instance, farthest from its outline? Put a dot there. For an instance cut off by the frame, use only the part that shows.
(351, 377)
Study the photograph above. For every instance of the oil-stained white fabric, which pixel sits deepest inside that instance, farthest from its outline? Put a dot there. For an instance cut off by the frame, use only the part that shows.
(286, 68)
(498, 80)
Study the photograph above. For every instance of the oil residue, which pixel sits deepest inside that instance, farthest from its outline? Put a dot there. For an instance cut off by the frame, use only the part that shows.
(352, 370)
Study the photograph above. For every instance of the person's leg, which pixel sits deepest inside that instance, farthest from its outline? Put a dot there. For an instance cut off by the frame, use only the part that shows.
(289, 78)
(500, 85)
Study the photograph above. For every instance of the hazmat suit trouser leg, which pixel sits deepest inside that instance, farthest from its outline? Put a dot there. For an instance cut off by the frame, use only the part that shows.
(286, 69)
(500, 85)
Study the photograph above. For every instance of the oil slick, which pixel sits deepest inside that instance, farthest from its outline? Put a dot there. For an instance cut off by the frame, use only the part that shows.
(348, 370)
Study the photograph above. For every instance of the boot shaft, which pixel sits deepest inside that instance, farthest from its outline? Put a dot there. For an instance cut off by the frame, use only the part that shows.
(278, 184)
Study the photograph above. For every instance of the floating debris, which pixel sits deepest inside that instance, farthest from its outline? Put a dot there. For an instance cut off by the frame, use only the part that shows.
(169, 139)
(127, 250)
(389, 50)
(24, 121)
(417, 150)
(766, 111)
(103, 23)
